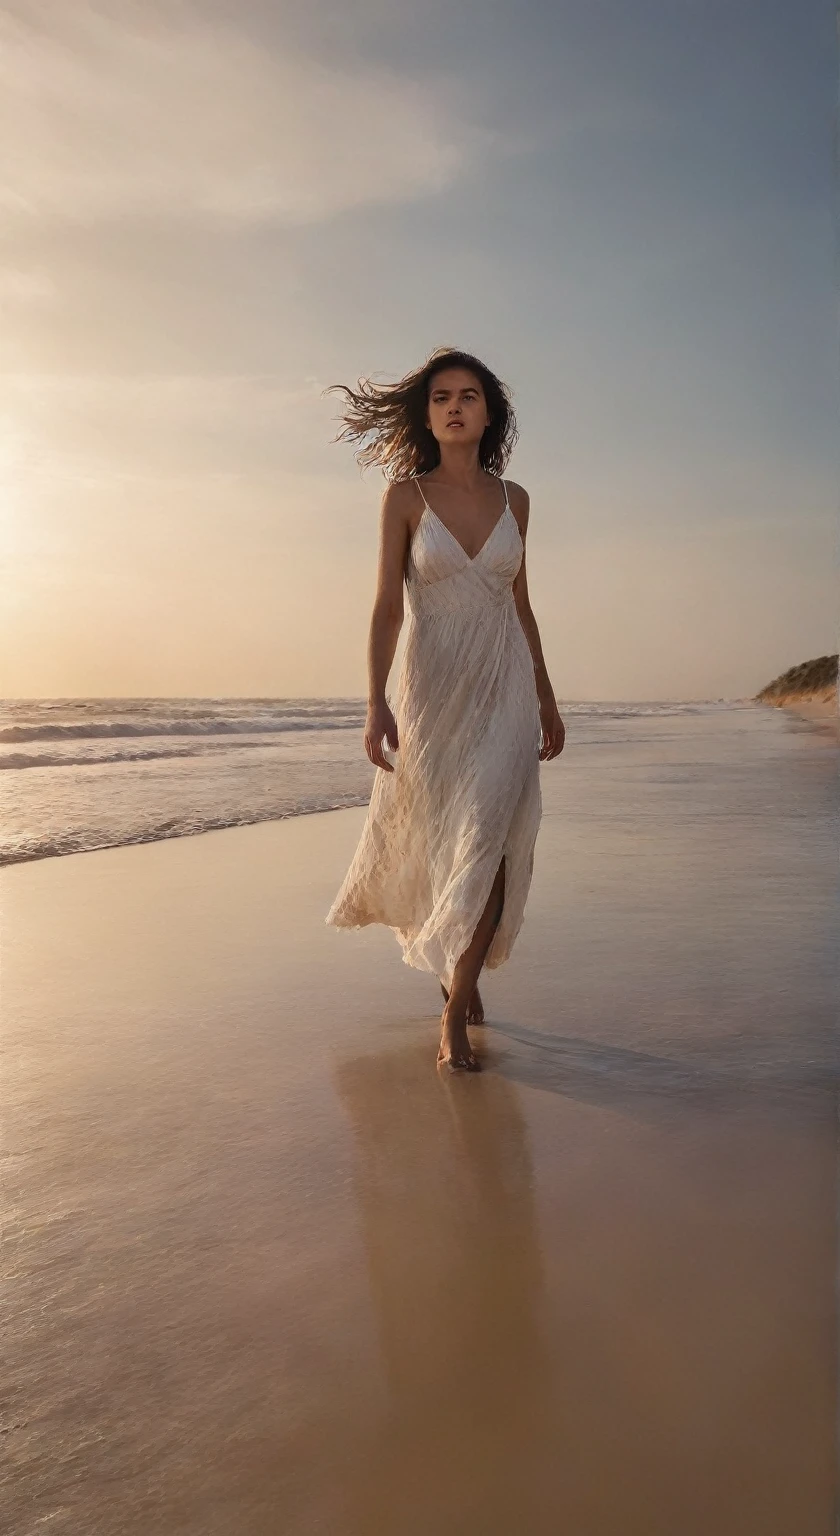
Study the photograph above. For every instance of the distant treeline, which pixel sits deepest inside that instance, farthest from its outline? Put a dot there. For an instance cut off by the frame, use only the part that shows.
(810, 680)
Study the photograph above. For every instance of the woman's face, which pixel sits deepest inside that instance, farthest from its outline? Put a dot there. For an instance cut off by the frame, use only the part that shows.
(457, 410)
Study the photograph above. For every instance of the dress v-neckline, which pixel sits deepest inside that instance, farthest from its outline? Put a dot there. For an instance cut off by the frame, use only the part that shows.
(471, 558)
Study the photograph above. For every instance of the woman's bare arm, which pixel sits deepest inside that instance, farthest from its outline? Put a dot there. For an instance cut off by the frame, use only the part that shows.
(521, 506)
(386, 620)
(387, 617)
(553, 729)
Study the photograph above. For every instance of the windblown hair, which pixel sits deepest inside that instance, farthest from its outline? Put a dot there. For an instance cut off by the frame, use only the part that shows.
(392, 417)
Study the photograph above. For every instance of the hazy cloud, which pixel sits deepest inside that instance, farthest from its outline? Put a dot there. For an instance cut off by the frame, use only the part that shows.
(97, 428)
(161, 112)
(21, 287)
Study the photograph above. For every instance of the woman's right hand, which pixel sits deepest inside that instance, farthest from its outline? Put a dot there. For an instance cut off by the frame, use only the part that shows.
(380, 722)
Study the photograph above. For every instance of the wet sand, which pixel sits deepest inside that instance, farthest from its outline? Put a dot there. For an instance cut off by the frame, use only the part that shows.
(821, 712)
(268, 1272)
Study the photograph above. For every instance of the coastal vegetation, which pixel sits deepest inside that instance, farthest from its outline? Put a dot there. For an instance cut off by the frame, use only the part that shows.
(811, 680)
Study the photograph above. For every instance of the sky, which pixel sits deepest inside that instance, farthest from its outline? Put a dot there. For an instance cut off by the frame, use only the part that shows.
(212, 211)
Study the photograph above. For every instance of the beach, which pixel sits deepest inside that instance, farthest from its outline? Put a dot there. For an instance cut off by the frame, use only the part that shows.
(821, 711)
(268, 1271)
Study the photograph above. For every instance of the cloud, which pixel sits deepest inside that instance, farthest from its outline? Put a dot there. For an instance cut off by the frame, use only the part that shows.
(19, 287)
(149, 111)
(98, 429)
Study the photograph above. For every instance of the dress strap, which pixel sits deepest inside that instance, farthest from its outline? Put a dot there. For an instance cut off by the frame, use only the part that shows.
(507, 499)
(420, 489)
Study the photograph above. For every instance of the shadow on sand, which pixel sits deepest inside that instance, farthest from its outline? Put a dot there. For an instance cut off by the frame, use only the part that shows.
(646, 1085)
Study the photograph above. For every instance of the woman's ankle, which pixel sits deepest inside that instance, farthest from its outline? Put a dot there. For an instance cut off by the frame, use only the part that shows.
(455, 1013)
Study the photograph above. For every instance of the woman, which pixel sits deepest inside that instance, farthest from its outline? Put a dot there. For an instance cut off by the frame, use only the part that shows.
(446, 853)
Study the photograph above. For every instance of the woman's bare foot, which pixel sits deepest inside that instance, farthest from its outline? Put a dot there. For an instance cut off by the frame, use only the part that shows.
(455, 1050)
(475, 1012)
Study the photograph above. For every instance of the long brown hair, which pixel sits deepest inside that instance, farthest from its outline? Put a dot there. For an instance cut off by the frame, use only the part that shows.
(393, 418)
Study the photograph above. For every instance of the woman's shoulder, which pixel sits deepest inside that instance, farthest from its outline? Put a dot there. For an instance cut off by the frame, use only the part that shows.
(516, 489)
(519, 504)
(396, 489)
(400, 501)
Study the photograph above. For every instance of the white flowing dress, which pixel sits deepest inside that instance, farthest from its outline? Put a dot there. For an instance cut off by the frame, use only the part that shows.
(465, 790)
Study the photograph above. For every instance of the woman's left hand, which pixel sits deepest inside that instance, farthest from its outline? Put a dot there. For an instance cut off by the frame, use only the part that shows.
(553, 729)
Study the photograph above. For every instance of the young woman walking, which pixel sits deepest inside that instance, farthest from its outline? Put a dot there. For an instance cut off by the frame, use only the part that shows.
(446, 853)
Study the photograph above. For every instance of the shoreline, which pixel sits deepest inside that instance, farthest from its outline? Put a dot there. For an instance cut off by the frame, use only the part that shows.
(822, 708)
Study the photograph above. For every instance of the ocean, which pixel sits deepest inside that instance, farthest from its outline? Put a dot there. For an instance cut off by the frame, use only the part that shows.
(81, 774)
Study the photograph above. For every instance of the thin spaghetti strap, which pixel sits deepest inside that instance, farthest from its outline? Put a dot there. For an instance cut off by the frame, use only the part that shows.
(507, 498)
(420, 489)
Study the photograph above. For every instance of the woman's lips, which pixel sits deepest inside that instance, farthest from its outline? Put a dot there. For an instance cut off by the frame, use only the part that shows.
(455, 424)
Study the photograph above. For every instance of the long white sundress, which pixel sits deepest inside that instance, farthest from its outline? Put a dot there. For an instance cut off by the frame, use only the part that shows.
(465, 790)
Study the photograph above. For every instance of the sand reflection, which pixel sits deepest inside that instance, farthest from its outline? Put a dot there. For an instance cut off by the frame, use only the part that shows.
(445, 1195)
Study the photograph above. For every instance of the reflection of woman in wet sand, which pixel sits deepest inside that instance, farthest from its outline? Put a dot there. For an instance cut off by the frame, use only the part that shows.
(446, 853)
(446, 1206)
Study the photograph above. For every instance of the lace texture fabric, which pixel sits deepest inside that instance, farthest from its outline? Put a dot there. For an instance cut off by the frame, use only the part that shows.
(465, 791)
